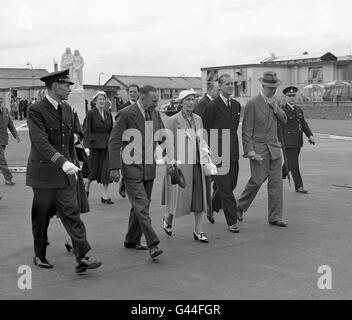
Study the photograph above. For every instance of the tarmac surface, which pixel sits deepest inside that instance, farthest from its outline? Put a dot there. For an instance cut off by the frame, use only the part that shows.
(262, 262)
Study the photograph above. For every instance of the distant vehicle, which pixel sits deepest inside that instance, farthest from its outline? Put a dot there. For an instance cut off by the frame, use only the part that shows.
(170, 108)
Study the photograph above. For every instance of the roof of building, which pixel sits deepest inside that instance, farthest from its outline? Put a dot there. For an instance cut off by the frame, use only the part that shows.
(159, 82)
(243, 66)
(21, 73)
(302, 58)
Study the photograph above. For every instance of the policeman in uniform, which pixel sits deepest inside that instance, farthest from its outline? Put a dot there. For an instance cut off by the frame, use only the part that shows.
(52, 173)
(292, 134)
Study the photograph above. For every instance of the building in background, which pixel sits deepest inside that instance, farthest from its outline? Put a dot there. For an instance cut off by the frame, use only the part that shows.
(168, 87)
(309, 72)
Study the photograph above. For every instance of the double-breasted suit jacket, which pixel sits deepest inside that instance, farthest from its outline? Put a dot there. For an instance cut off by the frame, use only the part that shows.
(294, 128)
(217, 115)
(52, 143)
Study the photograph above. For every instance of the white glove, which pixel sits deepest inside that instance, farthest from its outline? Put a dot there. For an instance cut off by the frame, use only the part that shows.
(70, 168)
(87, 151)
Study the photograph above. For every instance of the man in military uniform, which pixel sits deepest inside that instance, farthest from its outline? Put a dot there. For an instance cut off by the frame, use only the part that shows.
(51, 171)
(292, 134)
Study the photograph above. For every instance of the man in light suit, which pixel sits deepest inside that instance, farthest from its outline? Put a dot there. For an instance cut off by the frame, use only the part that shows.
(261, 146)
(223, 114)
(138, 175)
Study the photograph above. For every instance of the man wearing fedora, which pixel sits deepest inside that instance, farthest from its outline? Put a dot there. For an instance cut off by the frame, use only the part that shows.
(262, 148)
(292, 134)
(223, 114)
(51, 171)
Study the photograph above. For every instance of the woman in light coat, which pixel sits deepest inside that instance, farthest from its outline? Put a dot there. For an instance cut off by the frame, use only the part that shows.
(189, 154)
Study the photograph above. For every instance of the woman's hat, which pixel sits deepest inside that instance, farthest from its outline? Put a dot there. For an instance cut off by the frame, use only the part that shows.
(270, 79)
(99, 93)
(184, 94)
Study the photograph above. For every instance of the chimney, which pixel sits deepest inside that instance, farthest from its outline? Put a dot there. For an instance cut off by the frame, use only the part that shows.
(56, 66)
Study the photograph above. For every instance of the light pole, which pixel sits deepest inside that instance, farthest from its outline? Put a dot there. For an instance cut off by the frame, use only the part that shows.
(30, 64)
(101, 73)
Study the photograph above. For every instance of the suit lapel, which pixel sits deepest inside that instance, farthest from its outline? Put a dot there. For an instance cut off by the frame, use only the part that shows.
(138, 118)
(223, 108)
(262, 105)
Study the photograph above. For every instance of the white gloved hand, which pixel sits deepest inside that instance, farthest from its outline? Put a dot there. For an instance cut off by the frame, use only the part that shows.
(87, 151)
(70, 168)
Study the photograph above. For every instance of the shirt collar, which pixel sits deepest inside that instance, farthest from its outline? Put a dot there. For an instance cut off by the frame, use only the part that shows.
(224, 99)
(210, 97)
(132, 102)
(52, 101)
(141, 109)
(290, 105)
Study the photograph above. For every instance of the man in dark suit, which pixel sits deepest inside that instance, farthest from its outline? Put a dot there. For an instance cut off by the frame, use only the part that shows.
(51, 171)
(292, 134)
(133, 92)
(6, 123)
(223, 114)
(212, 92)
(139, 121)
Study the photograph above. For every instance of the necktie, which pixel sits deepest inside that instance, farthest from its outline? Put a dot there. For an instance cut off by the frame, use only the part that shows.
(59, 110)
(228, 103)
(147, 116)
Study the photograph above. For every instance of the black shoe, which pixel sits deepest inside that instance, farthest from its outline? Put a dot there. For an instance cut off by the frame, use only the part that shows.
(201, 237)
(167, 228)
(122, 193)
(239, 214)
(210, 217)
(107, 201)
(68, 247)
(278, 224)
(9, 182)
(234, 228)
(87, 264)
(135, 246)
(87, 193)
(154, 252)
(301, 190)
(42, 263)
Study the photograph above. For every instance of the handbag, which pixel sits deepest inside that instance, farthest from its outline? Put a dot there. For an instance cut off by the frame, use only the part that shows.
(209, 168)
(177, 176)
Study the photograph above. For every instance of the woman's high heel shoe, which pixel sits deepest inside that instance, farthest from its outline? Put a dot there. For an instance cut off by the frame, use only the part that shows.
(200, 237)
(167, 228)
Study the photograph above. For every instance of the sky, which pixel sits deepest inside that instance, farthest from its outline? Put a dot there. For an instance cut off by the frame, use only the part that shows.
(169, 38)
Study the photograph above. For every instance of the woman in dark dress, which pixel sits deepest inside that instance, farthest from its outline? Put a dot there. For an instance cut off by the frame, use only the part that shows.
(97, 127)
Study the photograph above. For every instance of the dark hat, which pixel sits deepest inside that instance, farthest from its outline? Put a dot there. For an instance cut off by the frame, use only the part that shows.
(270, 79)
(177, 176)
(290, 90)
(58, 76)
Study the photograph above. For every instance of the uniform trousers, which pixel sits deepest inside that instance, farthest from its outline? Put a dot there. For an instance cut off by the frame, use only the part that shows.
(65, 200)
(293, 166)
(223, 197)
(3, 164)
(261, 171)
(139, 193)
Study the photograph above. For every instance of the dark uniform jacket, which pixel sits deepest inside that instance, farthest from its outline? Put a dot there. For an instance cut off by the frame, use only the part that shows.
(52, 143)
(6, 123)
(199, 109)
(132, 118)
(97, 130)
(294, 128)
(217, 115)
